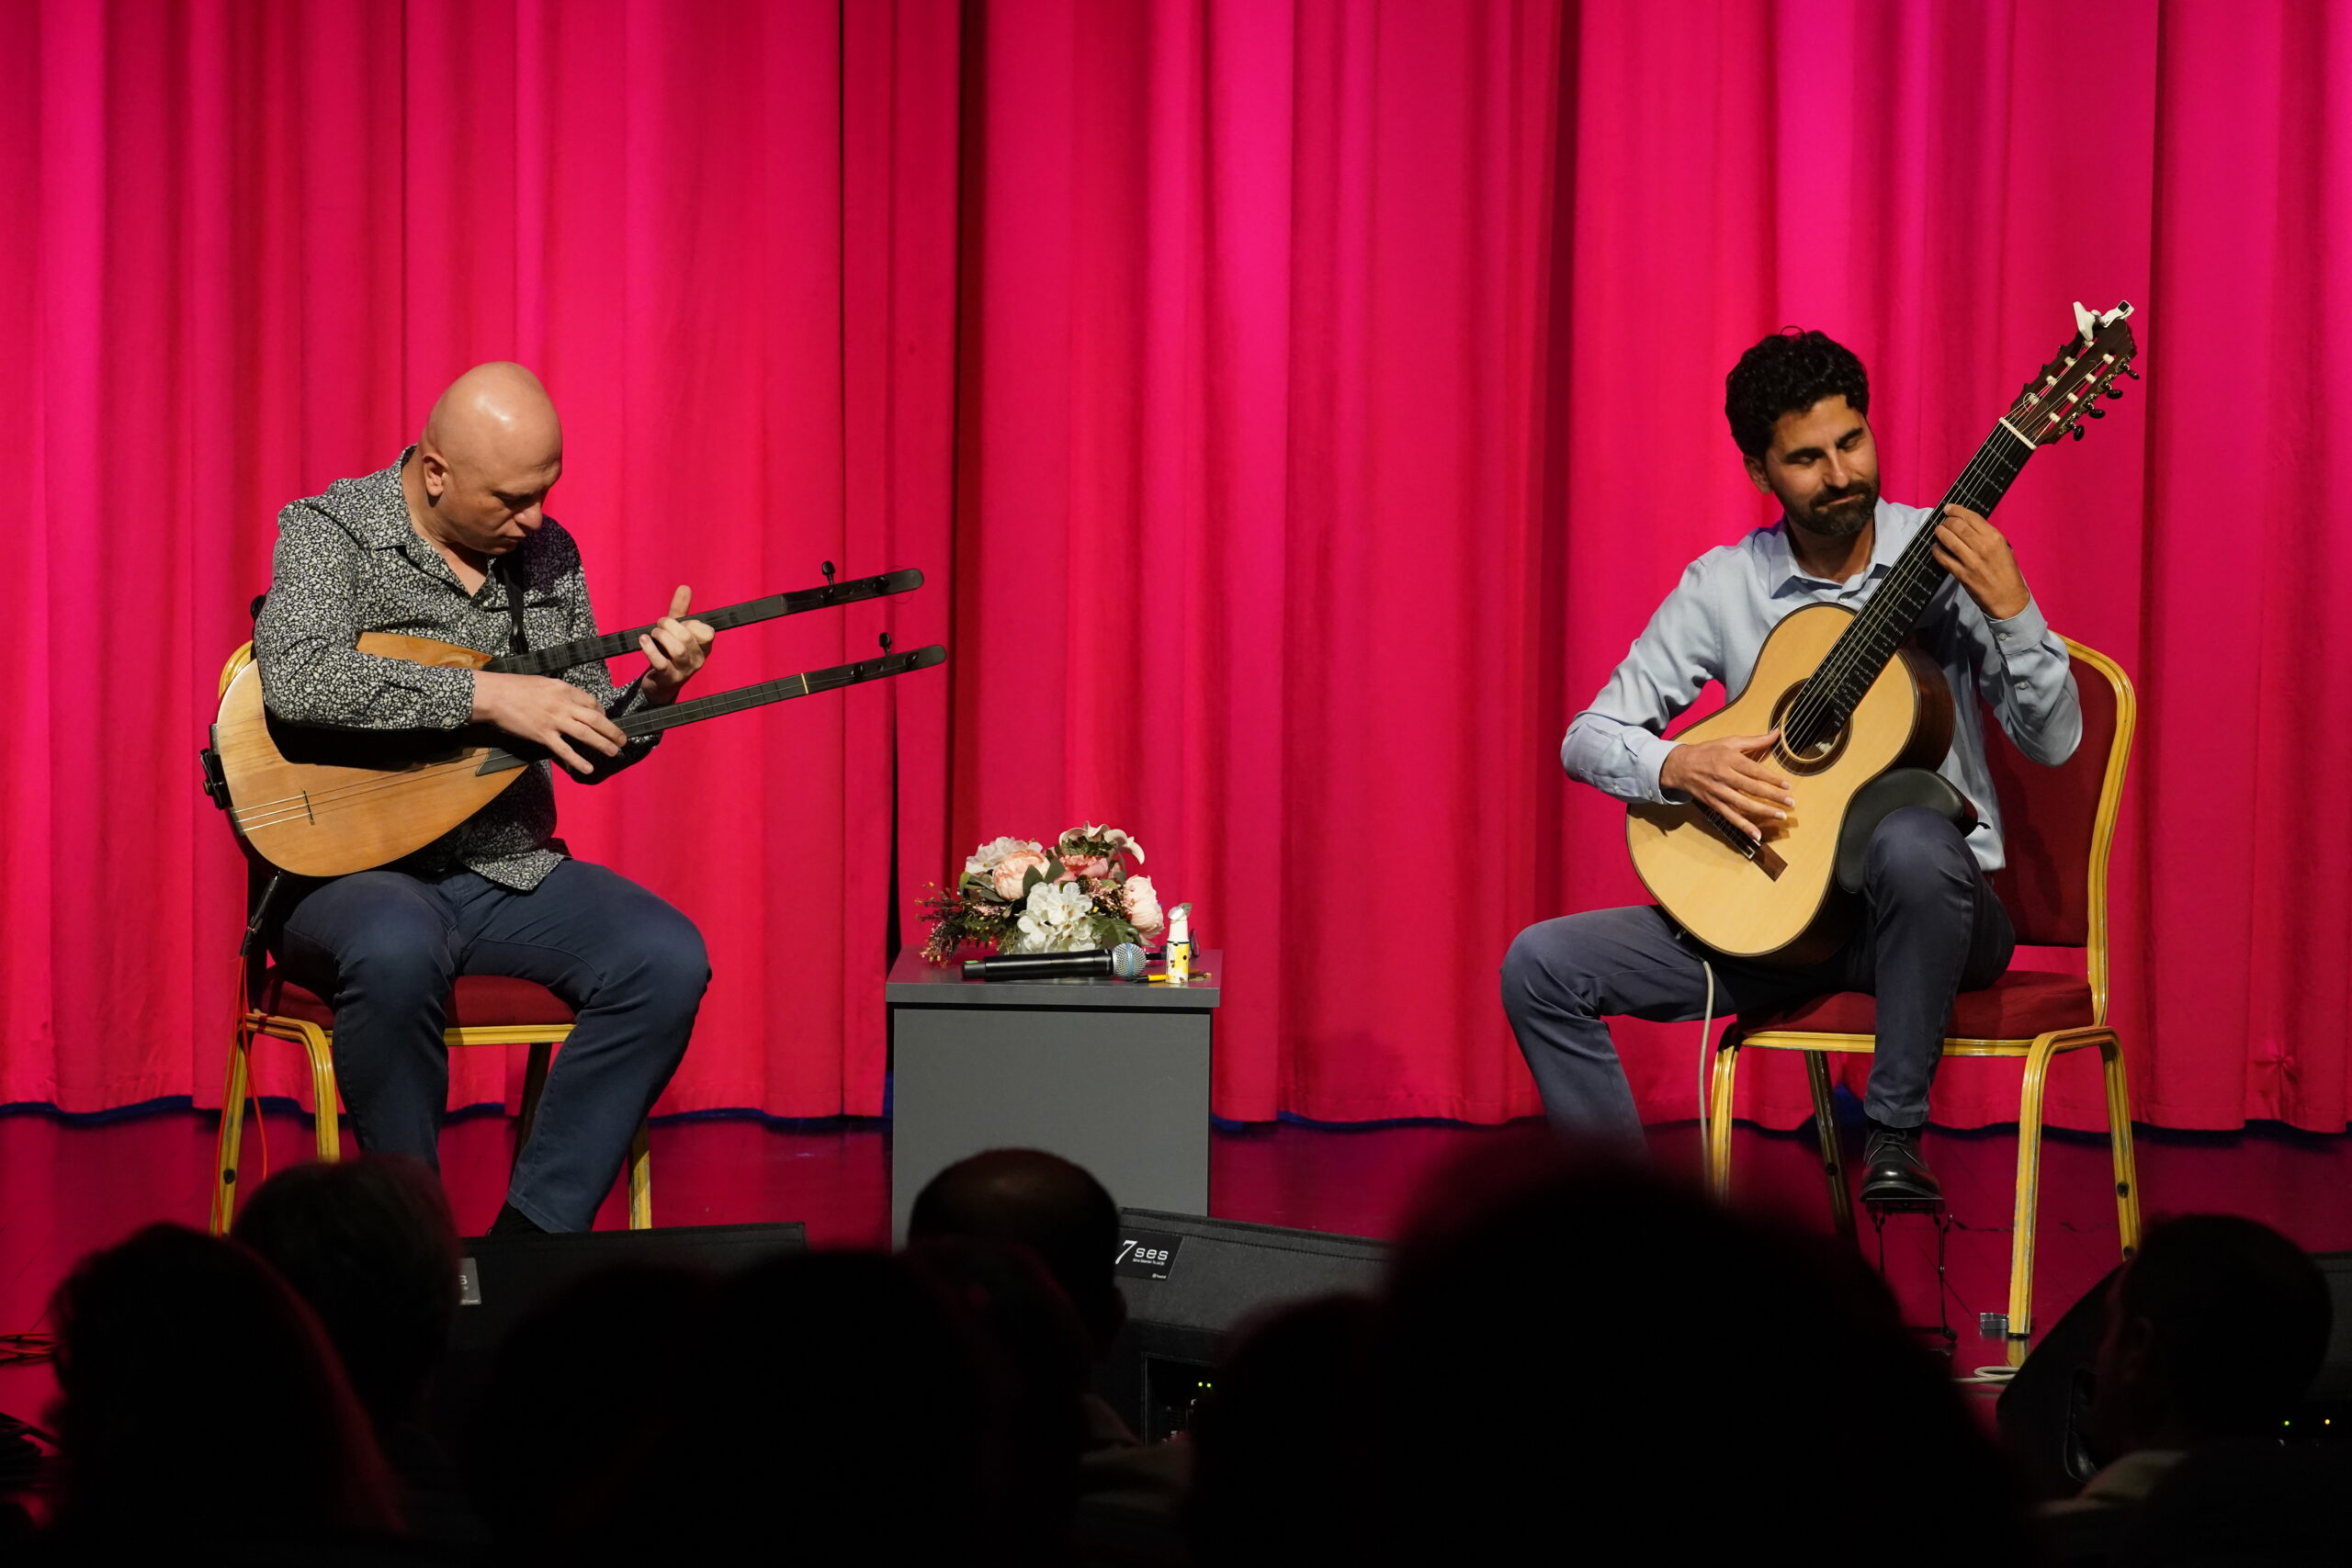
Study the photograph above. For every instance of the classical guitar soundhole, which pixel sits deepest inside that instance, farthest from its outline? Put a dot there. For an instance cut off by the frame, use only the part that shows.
(1814, 758)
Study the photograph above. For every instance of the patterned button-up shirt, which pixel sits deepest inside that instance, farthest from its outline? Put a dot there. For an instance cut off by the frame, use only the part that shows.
(348, 561)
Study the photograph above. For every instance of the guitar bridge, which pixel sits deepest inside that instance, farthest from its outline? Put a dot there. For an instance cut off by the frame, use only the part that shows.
(1763, 856)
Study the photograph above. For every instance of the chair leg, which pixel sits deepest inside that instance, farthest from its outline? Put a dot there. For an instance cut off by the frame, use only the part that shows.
(640, 1178)
(1719, 1121)
(2118, 1138)
(1833, 1164)
(534, 1084)
(233, 1134)
(321, 1047)
(2037, 1074)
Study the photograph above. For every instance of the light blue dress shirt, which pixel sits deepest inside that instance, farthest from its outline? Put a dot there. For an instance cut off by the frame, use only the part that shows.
(1714, 622)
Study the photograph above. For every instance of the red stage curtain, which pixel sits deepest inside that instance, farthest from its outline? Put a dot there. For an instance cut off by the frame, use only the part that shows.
(267, 236)
(1297, 407)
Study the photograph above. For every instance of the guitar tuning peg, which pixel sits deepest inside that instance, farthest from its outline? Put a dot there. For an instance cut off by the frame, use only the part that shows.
(886, 644)
(2115, 391)
(2128, 370)
(2077, 431)
(2096, 412)
(827, 567)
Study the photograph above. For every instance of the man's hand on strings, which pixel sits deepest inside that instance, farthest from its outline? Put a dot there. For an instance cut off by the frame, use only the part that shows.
(1974, 552)
(676, 649)
(1729, 774)
(553, 714)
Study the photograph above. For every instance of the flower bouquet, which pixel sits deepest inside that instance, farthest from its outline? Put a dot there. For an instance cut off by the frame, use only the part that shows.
(1016, 896)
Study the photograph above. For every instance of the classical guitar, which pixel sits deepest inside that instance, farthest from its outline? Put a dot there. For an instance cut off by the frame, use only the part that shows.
(1857, 708)
(323, 801)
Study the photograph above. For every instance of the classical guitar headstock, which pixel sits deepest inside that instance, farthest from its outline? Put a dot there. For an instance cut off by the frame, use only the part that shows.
(2082, 374)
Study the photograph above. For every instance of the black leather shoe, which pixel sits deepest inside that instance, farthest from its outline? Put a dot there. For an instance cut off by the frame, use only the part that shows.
(1894, 1171)
(512, 1220)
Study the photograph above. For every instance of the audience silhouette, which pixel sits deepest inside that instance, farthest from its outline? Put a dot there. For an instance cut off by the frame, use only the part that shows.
(1556, 1340)
(201, 1406)
(370, 1246)
(2215, 1330)
(1056, 1213)
(1546, 1369)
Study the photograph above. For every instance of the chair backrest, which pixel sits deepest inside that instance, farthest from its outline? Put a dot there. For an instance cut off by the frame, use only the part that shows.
(259, 873)
(235, 666)
(2059, 823)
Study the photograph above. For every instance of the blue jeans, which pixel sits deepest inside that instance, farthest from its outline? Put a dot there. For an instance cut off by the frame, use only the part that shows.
(384, 947)
(1931, 927)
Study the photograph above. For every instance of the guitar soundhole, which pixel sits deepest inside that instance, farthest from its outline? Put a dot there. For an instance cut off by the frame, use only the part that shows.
(1815, 758)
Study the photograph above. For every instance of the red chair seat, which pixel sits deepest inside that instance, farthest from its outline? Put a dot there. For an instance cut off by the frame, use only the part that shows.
(2018, 1006)
(478, 1001)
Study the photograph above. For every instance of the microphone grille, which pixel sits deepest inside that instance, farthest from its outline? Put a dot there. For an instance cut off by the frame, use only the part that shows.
(1127, 961)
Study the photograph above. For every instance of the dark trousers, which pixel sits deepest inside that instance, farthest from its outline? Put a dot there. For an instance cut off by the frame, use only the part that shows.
(1931, 927)
(384, 947)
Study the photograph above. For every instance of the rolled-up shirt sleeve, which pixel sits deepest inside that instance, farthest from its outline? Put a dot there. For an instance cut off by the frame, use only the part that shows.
(2027, 680)
(306, 638)
(1617, 744)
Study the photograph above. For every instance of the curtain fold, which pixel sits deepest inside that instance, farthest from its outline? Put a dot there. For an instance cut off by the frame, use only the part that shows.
(1296, 406)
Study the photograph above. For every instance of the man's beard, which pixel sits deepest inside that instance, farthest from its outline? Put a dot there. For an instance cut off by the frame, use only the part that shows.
(1842, 522)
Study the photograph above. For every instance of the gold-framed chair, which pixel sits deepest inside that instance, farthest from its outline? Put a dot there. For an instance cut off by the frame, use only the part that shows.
(484, 1009)
(2060, 826)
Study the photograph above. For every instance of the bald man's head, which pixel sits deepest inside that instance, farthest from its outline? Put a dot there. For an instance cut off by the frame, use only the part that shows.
(492, 449)
(1041, 1202)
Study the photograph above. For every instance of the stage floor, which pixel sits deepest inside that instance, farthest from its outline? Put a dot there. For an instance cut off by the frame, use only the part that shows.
(73, 1185)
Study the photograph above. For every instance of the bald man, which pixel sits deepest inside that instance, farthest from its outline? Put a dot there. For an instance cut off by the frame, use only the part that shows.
(453, 542)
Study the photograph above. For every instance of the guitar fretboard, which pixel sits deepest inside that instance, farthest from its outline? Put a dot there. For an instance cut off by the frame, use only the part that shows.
(612, 645)
(1862, 651)
(653, 721)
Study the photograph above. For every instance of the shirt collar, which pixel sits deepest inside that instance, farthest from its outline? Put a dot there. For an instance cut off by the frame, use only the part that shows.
(1781, 568)
(382, 519)
(383, 524)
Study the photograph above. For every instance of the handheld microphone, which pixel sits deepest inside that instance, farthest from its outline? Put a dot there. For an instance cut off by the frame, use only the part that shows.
(1124, 961)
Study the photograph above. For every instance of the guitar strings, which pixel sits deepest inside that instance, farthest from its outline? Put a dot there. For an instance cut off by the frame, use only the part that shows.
(294, 807)
(580, 650)
(1848, 658)
(1830, 687)
(707, 707)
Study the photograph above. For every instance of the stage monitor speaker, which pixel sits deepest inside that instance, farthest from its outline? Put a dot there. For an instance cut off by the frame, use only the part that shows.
(502, 1279)
(2045, 1412)
(1188, 1281)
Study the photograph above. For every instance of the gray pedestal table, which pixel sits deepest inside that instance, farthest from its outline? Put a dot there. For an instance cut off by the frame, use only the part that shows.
(1112, 1074)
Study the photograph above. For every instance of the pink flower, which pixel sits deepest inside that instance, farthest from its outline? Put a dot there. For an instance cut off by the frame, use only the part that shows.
(1085, 866)
(1141, 904)
(1010, 872)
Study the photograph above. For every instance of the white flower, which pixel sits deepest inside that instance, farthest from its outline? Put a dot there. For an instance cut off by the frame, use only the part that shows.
(1057, 918)
(982, 861)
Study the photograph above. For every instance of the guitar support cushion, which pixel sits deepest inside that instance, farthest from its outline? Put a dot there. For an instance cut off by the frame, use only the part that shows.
(1888, 792)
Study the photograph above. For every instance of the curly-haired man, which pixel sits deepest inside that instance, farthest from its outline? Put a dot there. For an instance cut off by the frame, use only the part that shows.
(1799, 406)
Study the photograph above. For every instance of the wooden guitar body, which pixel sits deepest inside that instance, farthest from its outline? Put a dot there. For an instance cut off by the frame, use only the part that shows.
(1783, 903)
(381, 795)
